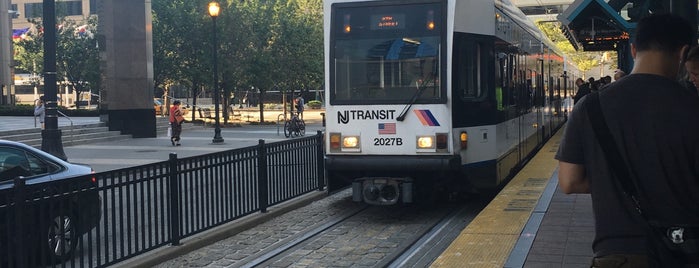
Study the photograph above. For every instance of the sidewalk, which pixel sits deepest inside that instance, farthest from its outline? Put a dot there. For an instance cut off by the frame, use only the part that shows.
(196, 140)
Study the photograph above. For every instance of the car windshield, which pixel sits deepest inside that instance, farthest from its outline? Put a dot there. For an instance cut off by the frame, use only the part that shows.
(384, 54)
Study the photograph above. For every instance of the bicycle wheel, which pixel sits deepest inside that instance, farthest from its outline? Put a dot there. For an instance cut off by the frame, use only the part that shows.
(287, 129)
(295, 128)
(302, 127)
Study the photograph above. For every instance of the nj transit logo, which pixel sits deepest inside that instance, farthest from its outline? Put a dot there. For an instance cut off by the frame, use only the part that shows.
(426, 118)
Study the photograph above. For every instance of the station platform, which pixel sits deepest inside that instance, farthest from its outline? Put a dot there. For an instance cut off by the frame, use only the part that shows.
(530, 223)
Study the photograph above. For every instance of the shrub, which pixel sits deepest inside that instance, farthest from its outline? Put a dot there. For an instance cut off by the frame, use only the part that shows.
(315, 104)
(28, 110)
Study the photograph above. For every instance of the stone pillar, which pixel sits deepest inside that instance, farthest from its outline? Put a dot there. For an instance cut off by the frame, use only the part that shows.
(126, 46)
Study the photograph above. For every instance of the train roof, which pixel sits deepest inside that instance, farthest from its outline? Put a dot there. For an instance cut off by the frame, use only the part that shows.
(516, 14)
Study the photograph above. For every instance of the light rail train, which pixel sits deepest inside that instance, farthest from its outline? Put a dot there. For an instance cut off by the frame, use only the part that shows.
(429, 95)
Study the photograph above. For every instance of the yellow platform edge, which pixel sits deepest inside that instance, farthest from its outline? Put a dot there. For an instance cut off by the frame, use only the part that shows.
(489, 239)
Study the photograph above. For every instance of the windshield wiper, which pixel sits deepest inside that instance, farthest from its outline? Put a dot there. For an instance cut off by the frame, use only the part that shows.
(420, 89)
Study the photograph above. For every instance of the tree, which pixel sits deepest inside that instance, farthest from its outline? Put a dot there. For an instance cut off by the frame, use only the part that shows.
(29, 55)
(77, 54)
(182, 45)
(262, 44)
(584, 60)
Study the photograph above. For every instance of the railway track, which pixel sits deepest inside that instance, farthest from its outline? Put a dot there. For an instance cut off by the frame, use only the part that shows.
(369, 236)
(336, 232)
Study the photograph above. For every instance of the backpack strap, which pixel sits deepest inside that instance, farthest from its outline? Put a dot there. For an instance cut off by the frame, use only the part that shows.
(611, 152)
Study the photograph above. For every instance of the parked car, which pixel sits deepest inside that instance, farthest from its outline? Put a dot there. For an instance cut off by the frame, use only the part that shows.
(63, 203)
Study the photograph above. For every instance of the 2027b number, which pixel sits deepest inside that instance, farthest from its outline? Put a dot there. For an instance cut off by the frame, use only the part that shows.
(388, 141)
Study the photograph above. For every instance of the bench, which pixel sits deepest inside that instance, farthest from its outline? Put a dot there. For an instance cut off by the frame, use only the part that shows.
(205, 113)
(233, 113)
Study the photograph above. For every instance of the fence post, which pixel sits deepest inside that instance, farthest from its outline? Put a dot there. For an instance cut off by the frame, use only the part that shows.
(174, 187)
(321, 160)
(262, 175)
(21, 257)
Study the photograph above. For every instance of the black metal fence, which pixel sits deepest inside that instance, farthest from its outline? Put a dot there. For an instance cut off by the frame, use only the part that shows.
(122, 213)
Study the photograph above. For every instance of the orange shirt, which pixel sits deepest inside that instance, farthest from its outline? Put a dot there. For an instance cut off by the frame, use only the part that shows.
(174, 110)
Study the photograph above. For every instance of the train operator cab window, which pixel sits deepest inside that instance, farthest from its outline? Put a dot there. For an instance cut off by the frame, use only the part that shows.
(387, 54)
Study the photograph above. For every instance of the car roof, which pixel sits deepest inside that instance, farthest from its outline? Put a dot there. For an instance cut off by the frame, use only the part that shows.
(33, 150)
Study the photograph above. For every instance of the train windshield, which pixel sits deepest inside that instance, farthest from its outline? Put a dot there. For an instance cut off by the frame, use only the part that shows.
(386, 54)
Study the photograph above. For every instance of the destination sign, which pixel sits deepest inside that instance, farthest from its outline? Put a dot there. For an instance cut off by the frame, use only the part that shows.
(387, 21)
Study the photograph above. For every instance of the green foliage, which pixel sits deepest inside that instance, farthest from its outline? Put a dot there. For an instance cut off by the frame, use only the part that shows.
(314, 104)
(17, 110)
(583, 60)
(28, 110)
(263, 44)
(77, 55)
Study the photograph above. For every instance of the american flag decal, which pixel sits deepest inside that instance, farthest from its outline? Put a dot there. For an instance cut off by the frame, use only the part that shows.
(387, 128)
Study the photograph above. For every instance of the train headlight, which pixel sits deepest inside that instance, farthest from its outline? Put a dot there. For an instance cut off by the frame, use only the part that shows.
(350, 142)
(425, 142)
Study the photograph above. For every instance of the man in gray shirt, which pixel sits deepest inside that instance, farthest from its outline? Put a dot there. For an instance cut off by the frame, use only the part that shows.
(654, 123)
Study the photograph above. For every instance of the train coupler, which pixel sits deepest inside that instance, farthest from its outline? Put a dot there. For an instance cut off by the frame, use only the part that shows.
(382, 191)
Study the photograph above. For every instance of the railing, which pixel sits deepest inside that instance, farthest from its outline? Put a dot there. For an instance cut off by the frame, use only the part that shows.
(62, 114)
(146, 207)
(71, 123)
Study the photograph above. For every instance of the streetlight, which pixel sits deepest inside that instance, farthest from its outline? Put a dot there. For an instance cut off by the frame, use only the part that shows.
(51, 135)
(214, 9)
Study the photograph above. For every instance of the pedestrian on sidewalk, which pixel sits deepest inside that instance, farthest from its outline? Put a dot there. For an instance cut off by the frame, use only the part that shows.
(299, 102)
(40, 111)
(652, 122)
(583, 89)
(176, 120)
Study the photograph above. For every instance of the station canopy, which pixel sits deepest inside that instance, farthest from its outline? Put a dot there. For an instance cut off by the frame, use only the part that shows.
(595, 25)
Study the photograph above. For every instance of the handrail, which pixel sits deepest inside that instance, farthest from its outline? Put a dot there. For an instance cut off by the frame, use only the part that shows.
(278, 116)
(71, 123)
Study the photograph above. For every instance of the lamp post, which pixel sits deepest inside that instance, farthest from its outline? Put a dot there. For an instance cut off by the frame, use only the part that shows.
(214, 9)
(51, 135)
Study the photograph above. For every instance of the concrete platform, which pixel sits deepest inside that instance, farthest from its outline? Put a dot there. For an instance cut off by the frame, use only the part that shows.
(530, 223)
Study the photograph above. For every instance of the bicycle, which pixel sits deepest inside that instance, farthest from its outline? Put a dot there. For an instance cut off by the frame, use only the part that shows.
(294, 126)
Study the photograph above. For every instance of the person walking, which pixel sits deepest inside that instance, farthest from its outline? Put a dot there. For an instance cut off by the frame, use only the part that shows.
(40, 111)
(299, 105)
(652, 121)
(583, 89)
(176, 120)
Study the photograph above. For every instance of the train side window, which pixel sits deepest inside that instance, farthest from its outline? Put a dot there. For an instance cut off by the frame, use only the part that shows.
(504, 80)
(469, 75)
